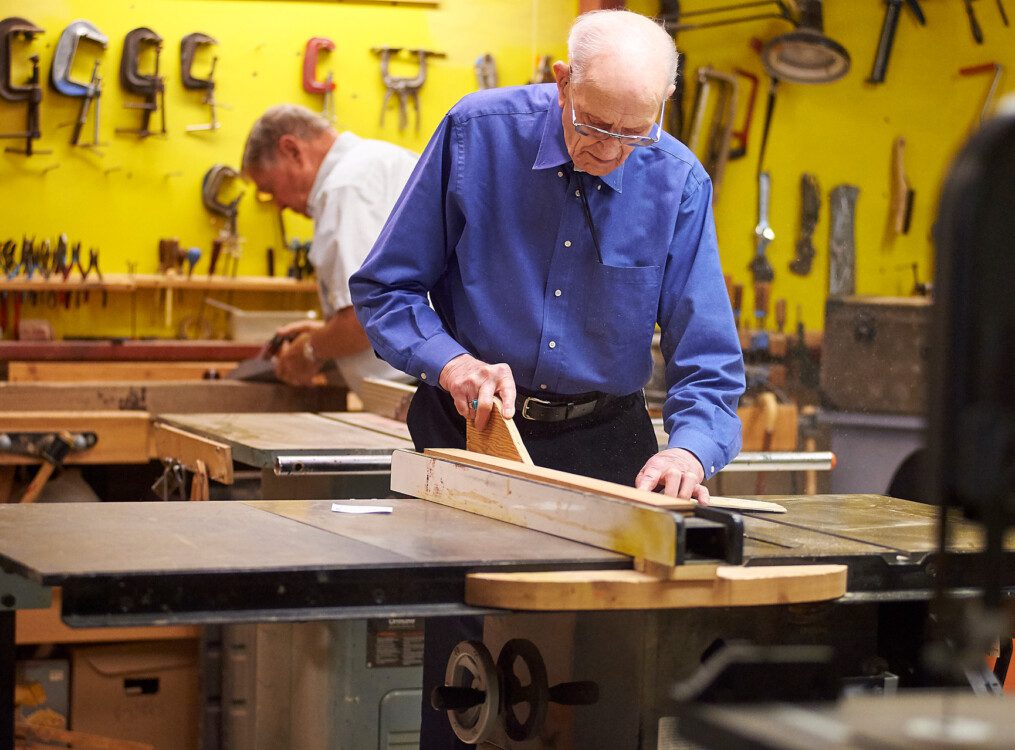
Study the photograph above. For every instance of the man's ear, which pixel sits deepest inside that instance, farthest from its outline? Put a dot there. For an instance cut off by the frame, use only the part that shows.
(290, 148)
(670, 90)
(562, 72)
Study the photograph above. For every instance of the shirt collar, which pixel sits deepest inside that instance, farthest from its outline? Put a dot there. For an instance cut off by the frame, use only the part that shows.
(343, 144)
(552, 150)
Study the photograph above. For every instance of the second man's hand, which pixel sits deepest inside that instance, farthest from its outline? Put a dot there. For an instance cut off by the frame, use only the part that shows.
(678, 472)
(292, 363)
(470, 380)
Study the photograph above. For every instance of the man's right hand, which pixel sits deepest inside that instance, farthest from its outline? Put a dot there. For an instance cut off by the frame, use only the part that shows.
(288, 332)
(470, 380)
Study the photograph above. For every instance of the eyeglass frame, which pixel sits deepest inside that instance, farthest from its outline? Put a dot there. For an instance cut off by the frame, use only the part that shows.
(632, 141)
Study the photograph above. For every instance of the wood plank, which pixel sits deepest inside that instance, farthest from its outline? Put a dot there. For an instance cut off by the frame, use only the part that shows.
(38, 626)
(75, 372)
(126, 351)
(498, 438)
(123, 437)
(194, 452)
(733, 586)
(178, 397)
(581, 515)
(753, 419)
(387, 398)
(576, 481)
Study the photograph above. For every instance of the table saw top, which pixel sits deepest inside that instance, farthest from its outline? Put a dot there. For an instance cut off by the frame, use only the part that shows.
(157, 562)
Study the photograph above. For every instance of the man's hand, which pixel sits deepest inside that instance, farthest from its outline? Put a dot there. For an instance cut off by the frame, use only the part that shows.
(291, 363)
(677, 471)
(470, 380)
(290, 331)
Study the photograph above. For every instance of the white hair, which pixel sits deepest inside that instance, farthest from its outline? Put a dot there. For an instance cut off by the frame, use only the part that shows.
(642, 41)
(277, 121)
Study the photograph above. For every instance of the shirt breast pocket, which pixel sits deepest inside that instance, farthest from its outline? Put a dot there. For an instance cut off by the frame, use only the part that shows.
(622, 302)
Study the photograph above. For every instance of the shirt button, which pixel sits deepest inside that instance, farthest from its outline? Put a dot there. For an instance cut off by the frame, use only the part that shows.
(542, 386)
(711, 469)
(422, 376)
(599, 186)
(567, 243)
(560, 174)
(556, 293)
(578, 193)
(553, 344)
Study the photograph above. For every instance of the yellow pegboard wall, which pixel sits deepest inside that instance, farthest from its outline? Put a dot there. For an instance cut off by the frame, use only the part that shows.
(843, 132)
(139, 190)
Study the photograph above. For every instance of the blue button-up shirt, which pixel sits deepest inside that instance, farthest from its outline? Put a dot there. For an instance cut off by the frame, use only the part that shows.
(491, 227)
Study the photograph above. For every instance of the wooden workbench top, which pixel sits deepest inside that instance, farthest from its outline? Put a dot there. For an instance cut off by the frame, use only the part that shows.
(117, 350)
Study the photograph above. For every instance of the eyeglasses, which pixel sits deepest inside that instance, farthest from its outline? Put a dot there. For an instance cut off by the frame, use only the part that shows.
(634, 141)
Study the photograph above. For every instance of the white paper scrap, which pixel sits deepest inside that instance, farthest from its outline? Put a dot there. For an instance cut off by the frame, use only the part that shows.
(361, 509)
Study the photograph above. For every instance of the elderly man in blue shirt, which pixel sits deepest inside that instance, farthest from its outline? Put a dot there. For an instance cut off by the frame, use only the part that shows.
(552, 227)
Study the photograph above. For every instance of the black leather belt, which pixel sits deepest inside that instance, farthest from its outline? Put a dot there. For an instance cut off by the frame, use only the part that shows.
(538, 409)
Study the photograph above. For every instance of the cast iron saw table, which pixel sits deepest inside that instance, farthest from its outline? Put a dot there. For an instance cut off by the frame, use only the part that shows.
(282, 561)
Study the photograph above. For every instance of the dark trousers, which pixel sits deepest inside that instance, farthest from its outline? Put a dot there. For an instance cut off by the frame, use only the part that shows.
(612, 443)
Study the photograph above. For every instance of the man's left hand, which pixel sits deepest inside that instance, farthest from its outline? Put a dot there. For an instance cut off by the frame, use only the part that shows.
(291, 363)
(678, 472)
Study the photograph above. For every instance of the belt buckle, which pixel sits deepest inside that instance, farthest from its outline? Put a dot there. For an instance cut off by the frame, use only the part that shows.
(525, 406)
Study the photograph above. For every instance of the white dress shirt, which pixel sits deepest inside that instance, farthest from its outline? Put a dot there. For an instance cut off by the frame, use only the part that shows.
(356, 186)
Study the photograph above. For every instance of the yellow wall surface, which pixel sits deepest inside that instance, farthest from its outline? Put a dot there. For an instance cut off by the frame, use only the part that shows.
(842, 132)
(134, 191)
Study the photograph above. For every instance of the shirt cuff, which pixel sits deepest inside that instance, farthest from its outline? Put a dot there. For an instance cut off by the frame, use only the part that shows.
(703, 447)
(429, 359)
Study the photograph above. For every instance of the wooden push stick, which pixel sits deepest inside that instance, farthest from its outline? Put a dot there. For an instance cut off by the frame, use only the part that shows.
(499, 437)
(731, 586)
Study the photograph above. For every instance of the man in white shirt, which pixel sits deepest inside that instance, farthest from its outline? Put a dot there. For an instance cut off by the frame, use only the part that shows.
(348, 186)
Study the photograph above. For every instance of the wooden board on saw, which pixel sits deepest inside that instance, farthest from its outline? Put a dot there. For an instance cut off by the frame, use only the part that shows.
(122, 437)
(499, 437)
(732, 586)
(74, 372)
(370, 421)
(582, 515)
(609, 489)
(388, 398)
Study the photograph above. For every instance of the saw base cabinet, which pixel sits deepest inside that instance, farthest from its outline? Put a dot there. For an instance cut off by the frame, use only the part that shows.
(875, 354)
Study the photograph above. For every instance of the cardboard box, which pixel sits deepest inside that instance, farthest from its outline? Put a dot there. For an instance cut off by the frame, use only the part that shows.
(146, 692)
(48, 681)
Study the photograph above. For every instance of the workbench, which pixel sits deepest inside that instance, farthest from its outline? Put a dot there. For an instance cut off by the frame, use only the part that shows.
(124, 564)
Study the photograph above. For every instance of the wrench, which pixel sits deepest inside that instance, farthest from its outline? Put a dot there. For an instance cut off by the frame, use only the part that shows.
(763, 233)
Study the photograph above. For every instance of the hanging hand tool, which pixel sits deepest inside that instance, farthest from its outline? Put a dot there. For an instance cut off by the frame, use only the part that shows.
(988, 67)
(211, 186)
(738, 303)
(762, 294)
(721, 128)
(810, 207)
(486, 71)
(193, 256)
(151, 87)
(63, 65)
(890, 24)
(10, 29)
(902, 194)
(543, 72)
(841, 240)
(1000, 9)
(760, 266)
(773, 87)
(974, 25)
(188, 48)
(310, 82)
(742, 134)
(405, 88)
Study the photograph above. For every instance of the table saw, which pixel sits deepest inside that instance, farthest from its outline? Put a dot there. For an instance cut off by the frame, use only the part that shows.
(298, 560)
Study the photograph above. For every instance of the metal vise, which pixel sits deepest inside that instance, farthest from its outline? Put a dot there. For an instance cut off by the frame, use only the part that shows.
(214, 179)
(188, 48)
(406, 88)
(151, 87)
(60, 74)
(32, 93)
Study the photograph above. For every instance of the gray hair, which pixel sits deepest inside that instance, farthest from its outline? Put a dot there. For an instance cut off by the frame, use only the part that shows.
(279, 120)
(624, 32)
